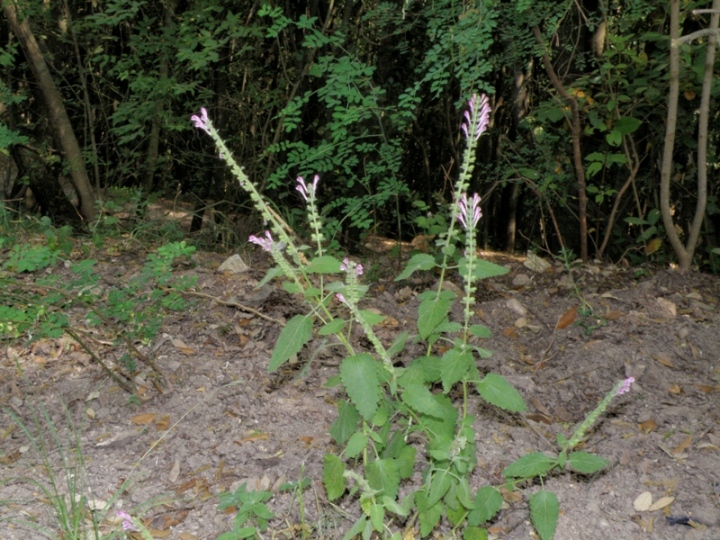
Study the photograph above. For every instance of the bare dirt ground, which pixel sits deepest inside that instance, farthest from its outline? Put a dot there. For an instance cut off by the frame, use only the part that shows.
(223, 420)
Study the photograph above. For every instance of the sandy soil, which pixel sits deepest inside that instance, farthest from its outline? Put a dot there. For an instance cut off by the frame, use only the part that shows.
(223, 420)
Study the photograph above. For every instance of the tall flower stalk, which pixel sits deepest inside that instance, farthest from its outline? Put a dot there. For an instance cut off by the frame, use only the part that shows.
(203, 122)
(469, 215)
(475, 122)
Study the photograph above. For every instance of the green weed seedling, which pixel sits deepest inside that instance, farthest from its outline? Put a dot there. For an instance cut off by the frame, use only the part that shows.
(252, 515)
(134, 313)
(398, 407)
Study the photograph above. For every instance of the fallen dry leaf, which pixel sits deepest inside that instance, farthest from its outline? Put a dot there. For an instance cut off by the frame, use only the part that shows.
(614, 315)
(653, 245)
(162, 423)
(174, 472)
(675, 389)
(539, 417)
(144, 419)
(648, 425)
(663, 359)
(680, 448)
(643, 501)
(510, 496)
(254, 437)
(705, 388)
(567, 318)
(510, 332)
(662, 502)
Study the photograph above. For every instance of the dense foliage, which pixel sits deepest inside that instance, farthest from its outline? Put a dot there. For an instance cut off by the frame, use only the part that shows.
(369, 96)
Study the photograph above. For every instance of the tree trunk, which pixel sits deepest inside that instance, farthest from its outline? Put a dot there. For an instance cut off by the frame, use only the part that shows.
(45, 188)
(685, 252)
(56, 108)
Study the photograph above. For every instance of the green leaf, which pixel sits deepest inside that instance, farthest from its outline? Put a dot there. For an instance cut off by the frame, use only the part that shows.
(439, 485)
(382, 475)
(421, 400)
(495, 389)
(420, 261)
(544, 512)
(398, 345)
(359, 376)
(486, 505)
(555, 114)
(425, 369)
(586, 463)
(346, 423)
(614, 138)
(482, 269)
(357, 443)
(453, 367)
(635, 221)
(291, 287)
(371, 317)
(627, 125)
(271, 274)
(377, 516)
(431, 313)
(480, 330)
(356, 529)
(429, 516)
(530, 174)
(654, 216)
(393, 506)
(534, 464)
(333, 476)
(647, 234)
(323, 265)
(333, 327)
(406, 462)
(293, 337)
(592, 170)
(475, 533)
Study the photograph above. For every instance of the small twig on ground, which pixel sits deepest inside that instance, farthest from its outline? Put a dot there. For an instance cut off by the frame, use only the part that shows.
(231, 303)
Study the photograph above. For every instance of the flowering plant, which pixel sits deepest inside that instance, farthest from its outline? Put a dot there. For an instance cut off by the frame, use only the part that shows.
(392, 399)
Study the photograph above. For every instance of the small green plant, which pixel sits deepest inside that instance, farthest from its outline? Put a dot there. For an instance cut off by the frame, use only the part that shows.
(252, 515)
(392, 399)
(133, 313)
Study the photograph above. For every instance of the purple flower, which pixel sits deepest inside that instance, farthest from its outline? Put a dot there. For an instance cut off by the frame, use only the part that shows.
(265, 243)
(469, 207)
(127, 524)
(305, 190)
(626, 385)
(201, 121)
(483, 116)
(347, 264)
(341, 298)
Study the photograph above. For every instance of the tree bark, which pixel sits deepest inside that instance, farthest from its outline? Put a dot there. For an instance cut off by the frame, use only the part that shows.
(685, 252)
(56, 108)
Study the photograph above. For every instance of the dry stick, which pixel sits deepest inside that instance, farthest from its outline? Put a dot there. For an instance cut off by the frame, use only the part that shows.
(114, 376)
(231, 303)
